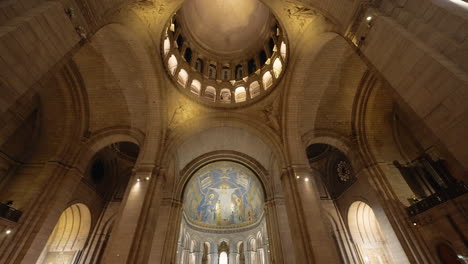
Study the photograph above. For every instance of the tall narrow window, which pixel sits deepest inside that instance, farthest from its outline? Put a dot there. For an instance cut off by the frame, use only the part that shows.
(167, 46)
(267, 80)
(182, 78)
(283, 50)
(199, 65)
(254, 89)
(239, 72)
(277, 67)
(172, 64)
(212, 72)
(223, 258)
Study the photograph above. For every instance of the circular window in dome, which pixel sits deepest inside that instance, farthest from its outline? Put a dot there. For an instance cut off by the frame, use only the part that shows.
(224, 53)
(223, 194)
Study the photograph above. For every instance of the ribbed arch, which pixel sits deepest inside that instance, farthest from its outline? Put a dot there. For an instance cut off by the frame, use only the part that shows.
(68, 237)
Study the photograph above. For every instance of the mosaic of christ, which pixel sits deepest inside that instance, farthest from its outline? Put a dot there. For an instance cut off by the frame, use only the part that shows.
(223, 194)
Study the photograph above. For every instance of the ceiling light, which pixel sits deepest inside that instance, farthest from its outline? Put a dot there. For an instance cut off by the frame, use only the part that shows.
(8, 231)
(306, 179)
(369, 18)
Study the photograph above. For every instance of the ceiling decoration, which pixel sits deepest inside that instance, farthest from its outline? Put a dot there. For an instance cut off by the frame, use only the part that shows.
(223, 194)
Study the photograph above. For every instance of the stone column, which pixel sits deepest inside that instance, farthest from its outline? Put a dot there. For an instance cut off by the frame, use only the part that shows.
(125, 229)
(198, 257)
(312, 243)
(233, 254)
(247, 254)
(214, 257)
(185, 256)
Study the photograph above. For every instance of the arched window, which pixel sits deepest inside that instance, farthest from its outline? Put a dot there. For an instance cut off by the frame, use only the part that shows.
(267, 80)
(226, 74)
(188, 55)
(271, 45)
(225, 96)
(263, 58)
(251, 66)
(199, 65)
(283, 50)
(239, 72)
(212, 72)
(68, 237)
(223, 258)
(167, 46)
(240, 94)
(254, 89)
(366, 233)
(180, 42)
(182, 78)
(277, 67)
(195, 87)
(210, 92)
(172, 64)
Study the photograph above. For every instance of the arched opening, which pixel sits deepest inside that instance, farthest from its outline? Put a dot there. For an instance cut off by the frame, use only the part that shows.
(367, 235)
(182, 78)
(334, 167)
(239, 72)
(68, 237)
(283, 50)
(240, 249)
(167, 46)
(210, 93)
(212, 71)
(240, 94)
(195, 87)
(223, 201)
(267, 80)
(226, 74)
(225, 96)
(277, 67)
(172, 64)
(254, 89)
(199, 65)
(223, 250)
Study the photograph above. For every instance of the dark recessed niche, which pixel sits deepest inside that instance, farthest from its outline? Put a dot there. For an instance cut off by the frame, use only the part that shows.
(317, 151)
(98, 170)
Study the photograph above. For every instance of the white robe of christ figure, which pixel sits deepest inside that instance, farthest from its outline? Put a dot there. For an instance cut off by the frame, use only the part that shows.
(224, 198)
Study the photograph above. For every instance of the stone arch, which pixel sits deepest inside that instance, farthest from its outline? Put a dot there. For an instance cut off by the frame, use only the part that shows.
(319, 59)
(187, 172)
(367, 235)
(69, 235)
(257, 132)
(106, 138)
(106, 50)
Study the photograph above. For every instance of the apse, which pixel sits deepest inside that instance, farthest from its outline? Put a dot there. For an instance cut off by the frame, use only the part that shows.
(223, 195)
(223, 216)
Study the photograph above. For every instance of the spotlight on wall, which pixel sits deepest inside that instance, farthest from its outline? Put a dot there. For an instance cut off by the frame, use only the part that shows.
(306, 179)
(8, 231)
